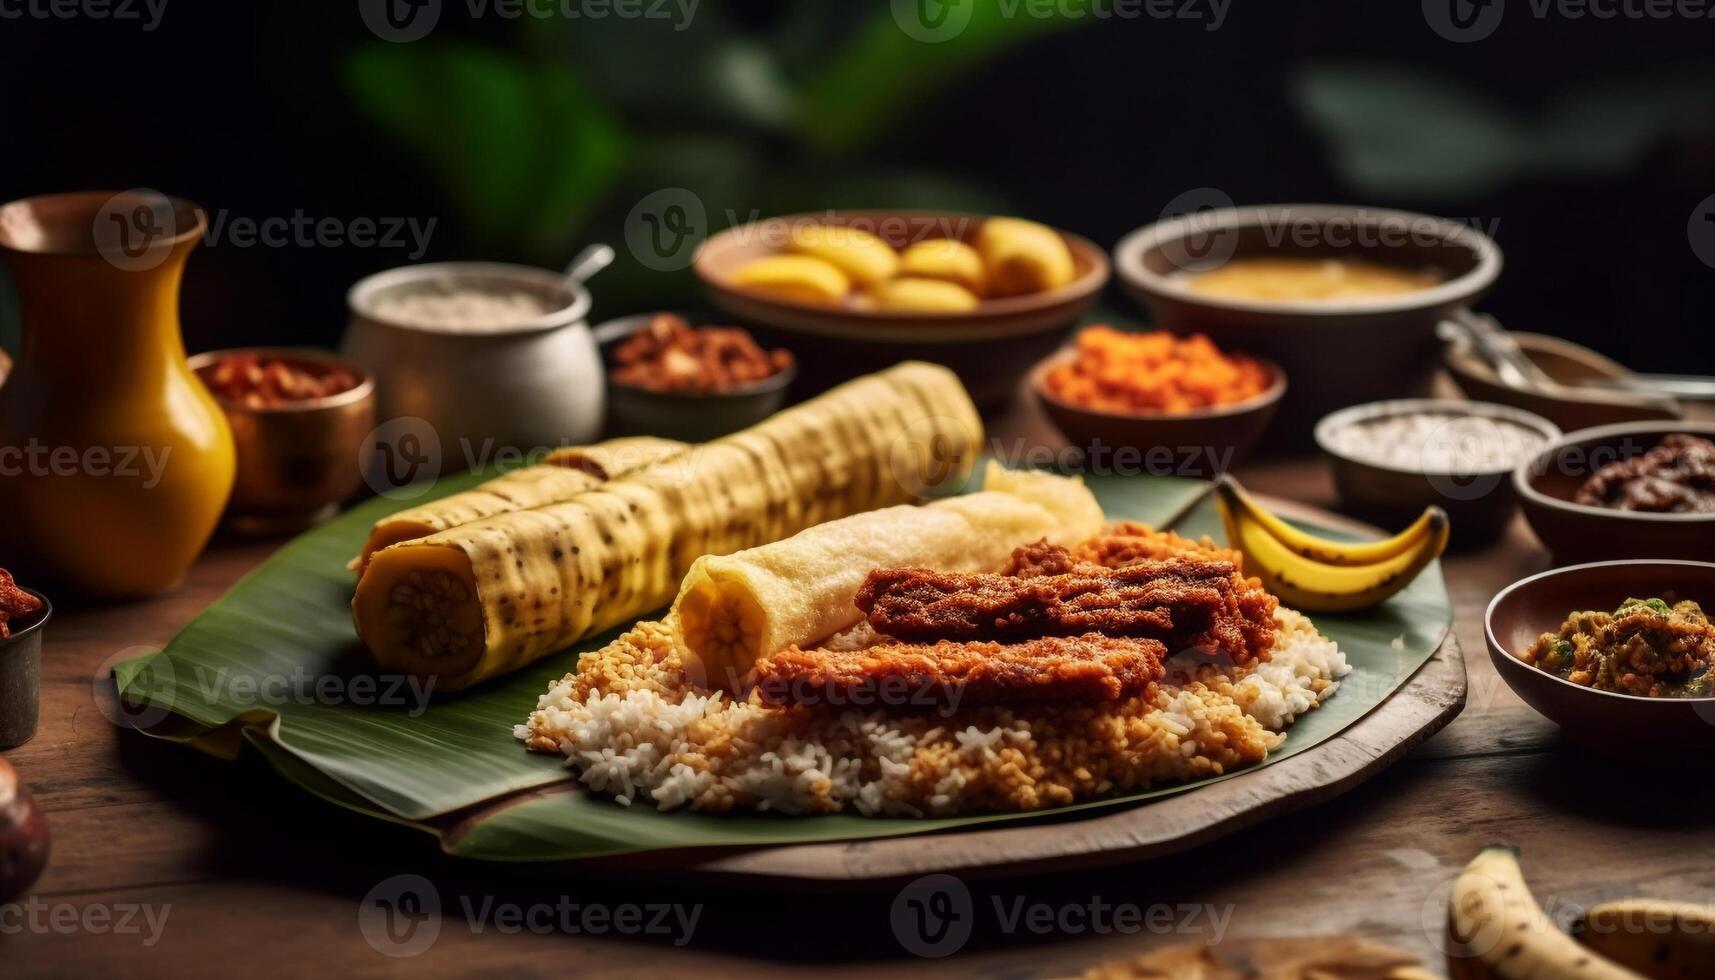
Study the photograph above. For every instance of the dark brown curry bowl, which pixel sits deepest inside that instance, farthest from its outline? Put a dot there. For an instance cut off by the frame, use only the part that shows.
(686, 416)
(1547, 484)
(1357, 350)
(299, 460)
(990, 347)
(1567, 363)
(1658, 731)
(1200, 443)
(1479, 505)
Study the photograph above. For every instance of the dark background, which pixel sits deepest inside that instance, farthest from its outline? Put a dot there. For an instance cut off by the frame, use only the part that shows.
(1586, 144)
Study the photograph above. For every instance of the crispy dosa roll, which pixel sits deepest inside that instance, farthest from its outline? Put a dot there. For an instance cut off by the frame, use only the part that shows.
(733, 609)
(560, 476)
(484, 598)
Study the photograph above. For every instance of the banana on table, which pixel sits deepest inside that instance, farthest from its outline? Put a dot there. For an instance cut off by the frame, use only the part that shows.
(1496, 929)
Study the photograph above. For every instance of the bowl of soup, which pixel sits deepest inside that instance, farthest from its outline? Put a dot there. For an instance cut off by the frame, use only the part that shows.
(1347, 295)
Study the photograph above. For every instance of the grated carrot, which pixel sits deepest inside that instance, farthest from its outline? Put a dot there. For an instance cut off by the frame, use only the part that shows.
(1156, 373)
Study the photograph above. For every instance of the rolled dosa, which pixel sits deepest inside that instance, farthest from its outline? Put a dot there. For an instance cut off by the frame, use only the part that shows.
(484, 598)
(733, 609)
(560, 476)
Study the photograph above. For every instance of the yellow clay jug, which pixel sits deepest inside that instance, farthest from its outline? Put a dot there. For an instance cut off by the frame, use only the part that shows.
(115, 461)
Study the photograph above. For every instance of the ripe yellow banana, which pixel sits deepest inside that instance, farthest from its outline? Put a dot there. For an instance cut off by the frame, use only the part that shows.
(1309, 546)
(948, 259)
(1321, 586)
(795, 277)
(1023, 256)
(865, 258)
(1496, 930)
(923, 295)
(1657, 939)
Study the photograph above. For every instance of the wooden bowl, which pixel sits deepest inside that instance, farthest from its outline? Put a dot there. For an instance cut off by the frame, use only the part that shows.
(1200, 444)
(1567, 363)
(1480, 505)
(1357, 350)
(1576, 532)
(990, 347)
(685, 416)
(1651, 731)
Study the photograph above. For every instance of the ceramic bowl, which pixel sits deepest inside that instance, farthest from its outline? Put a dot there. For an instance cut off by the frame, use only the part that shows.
(21, 677)
(1480, 504)
(1567, 363)
(1547, 484)
(297, 461)
(1200, 444)
(1357, 350)
(520, 388)
(685, 416)
(1650, 731)
(990, 347)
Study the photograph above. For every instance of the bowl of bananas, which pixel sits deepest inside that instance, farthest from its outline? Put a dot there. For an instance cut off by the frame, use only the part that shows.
(856, 291)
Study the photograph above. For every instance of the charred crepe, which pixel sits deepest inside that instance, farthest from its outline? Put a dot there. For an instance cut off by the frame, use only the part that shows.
(560, 476)
(735, 608)
(484, 598)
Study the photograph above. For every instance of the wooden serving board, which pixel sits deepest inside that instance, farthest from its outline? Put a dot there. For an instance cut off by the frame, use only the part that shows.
(1422, 706)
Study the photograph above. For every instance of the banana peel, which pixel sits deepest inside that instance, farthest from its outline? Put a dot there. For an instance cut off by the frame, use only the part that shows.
(1497, 931)
(1659, 939)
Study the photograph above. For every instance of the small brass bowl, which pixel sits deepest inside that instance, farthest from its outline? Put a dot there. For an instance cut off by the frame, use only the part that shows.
(297, 461)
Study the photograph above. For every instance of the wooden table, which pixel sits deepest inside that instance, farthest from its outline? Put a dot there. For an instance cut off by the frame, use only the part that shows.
(243, 871)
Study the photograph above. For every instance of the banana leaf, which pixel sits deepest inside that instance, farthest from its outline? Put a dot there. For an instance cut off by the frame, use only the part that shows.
(275, 665)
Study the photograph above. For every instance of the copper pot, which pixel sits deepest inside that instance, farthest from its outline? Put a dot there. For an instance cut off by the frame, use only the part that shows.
(297, 461)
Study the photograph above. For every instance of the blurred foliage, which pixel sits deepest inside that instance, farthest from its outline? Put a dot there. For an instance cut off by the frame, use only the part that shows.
(1398, 133)
(534, 146)
(525, 147)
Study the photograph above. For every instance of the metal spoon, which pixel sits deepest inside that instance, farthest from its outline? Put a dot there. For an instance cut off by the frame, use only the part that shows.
(589, 262)
(1500, 349)
(1677, 385)
(1516, 370)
